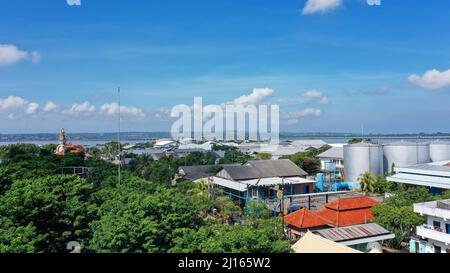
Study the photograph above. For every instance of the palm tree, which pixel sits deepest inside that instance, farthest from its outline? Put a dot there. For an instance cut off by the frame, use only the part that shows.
(367, 181)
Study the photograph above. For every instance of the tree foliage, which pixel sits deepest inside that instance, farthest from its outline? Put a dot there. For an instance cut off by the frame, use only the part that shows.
(41, 210)
(367, 181)
(396, 213)
(265, 236)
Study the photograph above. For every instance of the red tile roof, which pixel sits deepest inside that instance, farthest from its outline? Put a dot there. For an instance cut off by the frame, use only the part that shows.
(352, 203)
(303, 219)
(347, 217)
(339, 213)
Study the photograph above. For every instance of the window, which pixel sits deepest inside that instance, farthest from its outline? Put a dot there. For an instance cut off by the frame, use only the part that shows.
(254, 192)
(437, 225)
(437, 249)
(306, 189)
(447, 228)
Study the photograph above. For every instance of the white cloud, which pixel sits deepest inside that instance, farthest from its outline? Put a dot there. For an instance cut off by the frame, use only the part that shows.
(305, 113)
(258, 96)
(292, 121)
(35, 57)
(309, 96)
(73, 2)
(10, 54)
(12, 102)
(432, 79)
(80, 109)
(50, 106)
(320, 6)
(113, 109)
(32, 108)
(316, 96)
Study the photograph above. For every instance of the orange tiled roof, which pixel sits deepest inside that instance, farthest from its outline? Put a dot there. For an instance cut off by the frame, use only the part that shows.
(74, 149)
(339, 213)
(352, 203)
(304, 219)
(346, 217)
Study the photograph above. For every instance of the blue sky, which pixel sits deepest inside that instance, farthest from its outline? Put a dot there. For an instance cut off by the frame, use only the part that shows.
(332, 65)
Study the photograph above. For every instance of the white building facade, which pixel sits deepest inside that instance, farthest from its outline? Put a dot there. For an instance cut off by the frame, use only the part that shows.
(434, 236)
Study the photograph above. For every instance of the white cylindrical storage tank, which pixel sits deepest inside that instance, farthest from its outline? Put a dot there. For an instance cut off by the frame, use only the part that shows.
(440, 151)
(404, 154)
(360, 158)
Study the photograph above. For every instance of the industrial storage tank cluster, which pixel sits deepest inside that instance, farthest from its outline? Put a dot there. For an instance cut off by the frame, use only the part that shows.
(379, 159)
(439, 151)
(403, 154)
(362, 157)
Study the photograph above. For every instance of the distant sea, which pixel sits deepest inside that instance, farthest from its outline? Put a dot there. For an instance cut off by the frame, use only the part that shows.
(93, 139)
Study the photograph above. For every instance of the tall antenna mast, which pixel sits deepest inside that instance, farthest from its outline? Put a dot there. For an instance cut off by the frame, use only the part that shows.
(118, 140)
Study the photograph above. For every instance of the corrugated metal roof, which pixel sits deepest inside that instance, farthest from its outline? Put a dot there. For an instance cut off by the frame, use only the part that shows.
(421, 179)
(352, 232)
(430, 167)
(278, 181)
(316, 143)
(264, 169)
(274, 168)
(229, 184)
(335, 152)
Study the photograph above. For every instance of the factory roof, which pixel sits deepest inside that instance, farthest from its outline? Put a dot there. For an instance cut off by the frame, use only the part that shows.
(164, 143)
(435, 175)
(334, 152)
(275, 150)
(315, 143)
(437, 167)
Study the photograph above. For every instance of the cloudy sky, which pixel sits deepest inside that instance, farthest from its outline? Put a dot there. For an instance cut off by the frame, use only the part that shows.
(331, 65)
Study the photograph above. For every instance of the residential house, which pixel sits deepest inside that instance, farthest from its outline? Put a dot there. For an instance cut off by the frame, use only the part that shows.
(332, 160)
(434, 236)
(312, 243)
(301, 221)
(348, 211)
(365, 237)
(260, 179)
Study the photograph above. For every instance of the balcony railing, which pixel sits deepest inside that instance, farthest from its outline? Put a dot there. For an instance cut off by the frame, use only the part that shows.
(433, 233)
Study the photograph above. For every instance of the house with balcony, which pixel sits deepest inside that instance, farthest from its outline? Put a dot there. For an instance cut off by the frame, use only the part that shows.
(434, 236)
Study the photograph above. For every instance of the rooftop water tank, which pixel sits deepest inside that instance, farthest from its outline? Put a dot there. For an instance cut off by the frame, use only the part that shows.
(404, 154)
(360, 158)
(440, 151)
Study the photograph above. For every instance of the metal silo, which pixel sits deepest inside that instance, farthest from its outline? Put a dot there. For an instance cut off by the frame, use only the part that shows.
(439, 151)
(404, 154)
(360, 158)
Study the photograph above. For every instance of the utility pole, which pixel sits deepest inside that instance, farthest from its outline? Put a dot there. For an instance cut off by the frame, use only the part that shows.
(119, 177)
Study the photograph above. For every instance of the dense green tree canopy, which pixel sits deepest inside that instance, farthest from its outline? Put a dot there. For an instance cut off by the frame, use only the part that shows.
(57, 208)
(42, 209)
(264, 237)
